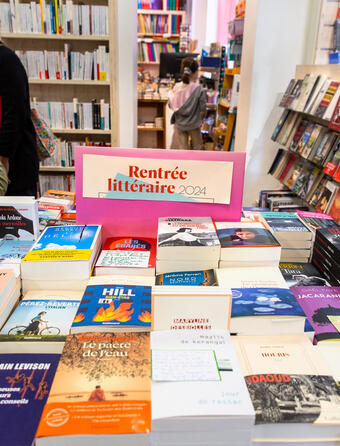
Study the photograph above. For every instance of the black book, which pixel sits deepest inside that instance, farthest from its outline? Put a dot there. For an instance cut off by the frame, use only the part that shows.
(322, 267)
(329, 238)
(302, 274)
(326, 259)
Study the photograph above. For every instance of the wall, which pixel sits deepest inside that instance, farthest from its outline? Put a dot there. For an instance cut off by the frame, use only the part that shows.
(126, 72)
(281, 36)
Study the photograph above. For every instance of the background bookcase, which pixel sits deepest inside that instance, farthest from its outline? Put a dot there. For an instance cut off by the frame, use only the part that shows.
(332, 72)
(66, 90)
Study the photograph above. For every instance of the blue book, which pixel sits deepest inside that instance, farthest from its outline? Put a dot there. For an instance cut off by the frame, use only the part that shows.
(266, 310)
(286, 222)
(13, 251)
(188, 278)
(25, 381)
(114, 308)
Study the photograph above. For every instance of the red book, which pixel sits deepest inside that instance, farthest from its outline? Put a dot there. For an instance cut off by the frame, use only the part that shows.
(335, 119)
(337, 175)
(330, 168)
(288, 166)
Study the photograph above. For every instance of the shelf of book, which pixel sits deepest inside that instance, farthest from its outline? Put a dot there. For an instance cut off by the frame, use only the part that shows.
(81, 132)
(54, 37)
(72, 82)
(160, 12)
(60, 169)
(143, 62)
(165, 35)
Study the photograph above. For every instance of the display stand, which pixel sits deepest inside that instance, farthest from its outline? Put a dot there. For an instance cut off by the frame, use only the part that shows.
(139, 217)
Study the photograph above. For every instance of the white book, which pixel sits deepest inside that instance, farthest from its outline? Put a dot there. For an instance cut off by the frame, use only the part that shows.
(320, 96)
(191, 308)
(198, 394)
(172, 266)
(253, 277)
(318, 85)
(187, 238)
(19, 218)
(296, 397)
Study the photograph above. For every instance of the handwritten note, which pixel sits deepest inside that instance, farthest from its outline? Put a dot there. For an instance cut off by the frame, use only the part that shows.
(184, 365)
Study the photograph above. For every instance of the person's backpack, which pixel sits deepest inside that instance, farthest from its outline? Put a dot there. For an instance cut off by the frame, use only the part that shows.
(46, 141)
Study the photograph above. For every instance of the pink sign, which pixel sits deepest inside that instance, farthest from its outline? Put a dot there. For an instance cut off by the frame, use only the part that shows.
(139, 218)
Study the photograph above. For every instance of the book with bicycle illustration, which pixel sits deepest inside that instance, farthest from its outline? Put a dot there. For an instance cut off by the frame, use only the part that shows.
(40, 323)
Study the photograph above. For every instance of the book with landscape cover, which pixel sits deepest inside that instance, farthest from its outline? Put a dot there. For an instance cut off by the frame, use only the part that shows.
(19, 218)
(100, 377)
(290, 387)
(63, 252)
(265, 311)
(41, 322)
(110, 307)
(320, 304)
(302, 274)
(25, 381)
(190, 278)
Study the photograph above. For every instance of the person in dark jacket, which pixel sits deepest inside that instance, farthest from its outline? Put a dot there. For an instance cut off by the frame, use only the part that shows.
(18, 149)
(188, 101)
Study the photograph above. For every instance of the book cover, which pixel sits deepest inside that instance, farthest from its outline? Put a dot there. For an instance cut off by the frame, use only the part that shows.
(18, 221)
(64, 243)
(186, 231)
(114, 306)
(288, 382)
(25, 381)
(335, 119)
(280, 124)
(264, 302)
(47, 318)
(334, 211)
(298, 134)
(251, 277)
(128, 252)
(319, 303)
(302, 274)
(326, 100)
(188, 278)
(245, 235)
(13, 251)
(100, 377)
(329, 238)
(316, 220)
(286, 94)
(284, 222)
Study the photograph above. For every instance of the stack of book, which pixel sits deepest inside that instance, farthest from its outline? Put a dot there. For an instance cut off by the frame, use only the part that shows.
(186, 244)
(62, 258)
(326, 253)
(198, 394)
(294, 237)
(127, 256)
(247, 244)
(296, 400)
(9, 293)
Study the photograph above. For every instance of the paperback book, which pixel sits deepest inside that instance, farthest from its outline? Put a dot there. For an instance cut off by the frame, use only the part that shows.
(320, 305)
(40, 323)
(25, 380)
(301, 275)
(265, 311)
(19, 218)
(107, 308)
(100, 377)
(190, 278)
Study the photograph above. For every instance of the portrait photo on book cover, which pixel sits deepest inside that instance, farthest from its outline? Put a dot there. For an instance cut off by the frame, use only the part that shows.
(291, 398)
(245, 237)
(186, 236)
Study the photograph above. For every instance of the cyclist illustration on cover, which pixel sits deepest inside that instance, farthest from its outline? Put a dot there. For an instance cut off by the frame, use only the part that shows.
(34, 326)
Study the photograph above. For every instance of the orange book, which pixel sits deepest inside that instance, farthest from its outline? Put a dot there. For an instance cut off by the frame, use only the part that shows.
(101, 377)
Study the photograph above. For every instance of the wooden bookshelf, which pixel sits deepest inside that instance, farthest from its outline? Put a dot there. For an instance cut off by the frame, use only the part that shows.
(148, 110)
(65, 90)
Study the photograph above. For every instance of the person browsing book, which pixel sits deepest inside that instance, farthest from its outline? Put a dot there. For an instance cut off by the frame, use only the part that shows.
(34, 326)
(18, 147)
(188, 102)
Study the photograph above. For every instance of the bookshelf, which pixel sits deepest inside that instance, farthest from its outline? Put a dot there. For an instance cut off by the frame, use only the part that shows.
(53, 90)
(319, 168)
(148, 111)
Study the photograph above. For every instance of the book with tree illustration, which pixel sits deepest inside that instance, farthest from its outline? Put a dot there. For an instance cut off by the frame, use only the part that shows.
(102, 388)
(108, 307)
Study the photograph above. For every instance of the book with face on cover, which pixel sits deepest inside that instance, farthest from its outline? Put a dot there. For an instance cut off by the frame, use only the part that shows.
(41, 322)
(187, 238)
(302, 274)
(100, 377)
(114, 307)
(25, 380)
(319, 304)
(293, 393)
